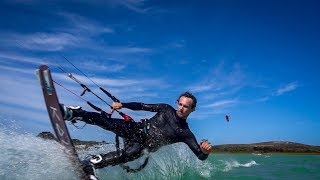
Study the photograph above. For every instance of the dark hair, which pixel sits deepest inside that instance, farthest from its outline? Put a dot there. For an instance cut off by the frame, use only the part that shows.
(189, 95)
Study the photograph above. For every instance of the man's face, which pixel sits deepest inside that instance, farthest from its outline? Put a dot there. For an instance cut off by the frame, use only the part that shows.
(184, 107)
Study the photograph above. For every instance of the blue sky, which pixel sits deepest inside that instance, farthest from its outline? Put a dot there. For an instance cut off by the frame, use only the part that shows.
(257, 61)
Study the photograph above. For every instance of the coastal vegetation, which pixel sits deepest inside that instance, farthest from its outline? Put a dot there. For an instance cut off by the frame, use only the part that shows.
(267, 147)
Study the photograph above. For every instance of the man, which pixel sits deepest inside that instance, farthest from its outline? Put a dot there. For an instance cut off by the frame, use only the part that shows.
(166, 127)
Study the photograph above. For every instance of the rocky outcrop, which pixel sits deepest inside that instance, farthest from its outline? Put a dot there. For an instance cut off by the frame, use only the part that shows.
(77, 143)
(46, 135)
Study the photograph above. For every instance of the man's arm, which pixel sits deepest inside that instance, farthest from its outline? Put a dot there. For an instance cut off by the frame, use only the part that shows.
(141, 106)
(191, 141)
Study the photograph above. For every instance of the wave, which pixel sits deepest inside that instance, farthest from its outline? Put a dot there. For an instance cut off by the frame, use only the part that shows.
(230, 164)
(170, 162)
(25, 156)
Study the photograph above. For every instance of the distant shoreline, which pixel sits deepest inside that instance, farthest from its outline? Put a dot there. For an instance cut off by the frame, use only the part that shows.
(271, 147)
(266, 154)
(263, 148)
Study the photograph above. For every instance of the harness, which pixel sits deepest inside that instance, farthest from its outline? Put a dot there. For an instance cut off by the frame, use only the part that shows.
(145, 127)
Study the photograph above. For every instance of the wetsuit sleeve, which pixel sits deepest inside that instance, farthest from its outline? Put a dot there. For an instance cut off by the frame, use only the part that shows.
(145, 107)
(191, 141)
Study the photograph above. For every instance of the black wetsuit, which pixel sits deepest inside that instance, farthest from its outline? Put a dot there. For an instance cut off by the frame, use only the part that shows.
(164, 128)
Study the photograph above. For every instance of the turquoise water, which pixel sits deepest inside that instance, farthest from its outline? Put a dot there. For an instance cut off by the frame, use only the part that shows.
(24, 156)
(248, 166)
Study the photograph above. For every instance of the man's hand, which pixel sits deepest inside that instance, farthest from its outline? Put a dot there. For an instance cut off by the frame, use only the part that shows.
(116, 105)
(205, 147)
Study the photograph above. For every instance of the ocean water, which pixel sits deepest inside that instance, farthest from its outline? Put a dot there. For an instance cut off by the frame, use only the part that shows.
(24, 156)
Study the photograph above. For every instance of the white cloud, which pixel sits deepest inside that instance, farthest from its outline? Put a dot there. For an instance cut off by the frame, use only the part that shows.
(222, 77)
(200, 88)
(17, 70)
(263, 99)
(287, 88)
(23, 59)
(138, 6)
(22, 91)
(31, 116)
(40, 41)
(127, 50)
(101, 66)
(101, 81)
(80, 25)
(77, 32)
(222, 103)
(20, 88)
(134, 5)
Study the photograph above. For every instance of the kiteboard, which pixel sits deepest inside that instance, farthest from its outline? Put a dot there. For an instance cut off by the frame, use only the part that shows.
(60, 129)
